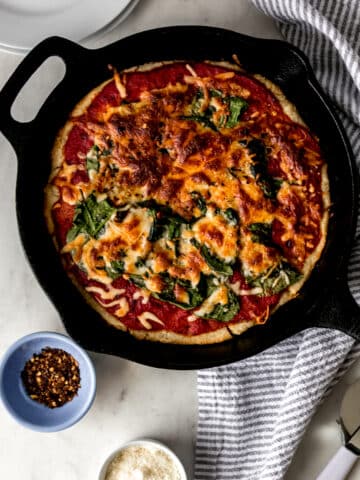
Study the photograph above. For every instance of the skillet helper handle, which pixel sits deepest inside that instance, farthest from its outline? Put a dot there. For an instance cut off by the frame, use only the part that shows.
(339, 466)
(339, 311)
(13, 130)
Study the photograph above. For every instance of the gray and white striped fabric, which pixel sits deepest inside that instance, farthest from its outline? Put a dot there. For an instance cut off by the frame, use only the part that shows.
(253, 414)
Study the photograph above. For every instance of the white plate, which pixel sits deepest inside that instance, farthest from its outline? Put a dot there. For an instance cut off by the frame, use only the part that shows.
(24, 23)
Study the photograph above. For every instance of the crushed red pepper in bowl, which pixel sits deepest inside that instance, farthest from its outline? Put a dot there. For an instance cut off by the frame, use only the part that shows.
(51, 377)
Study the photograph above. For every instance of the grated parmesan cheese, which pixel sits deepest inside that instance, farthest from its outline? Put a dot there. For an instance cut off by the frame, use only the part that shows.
(137, 462)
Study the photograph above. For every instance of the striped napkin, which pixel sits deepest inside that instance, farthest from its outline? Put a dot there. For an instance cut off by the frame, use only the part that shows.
(253, 414)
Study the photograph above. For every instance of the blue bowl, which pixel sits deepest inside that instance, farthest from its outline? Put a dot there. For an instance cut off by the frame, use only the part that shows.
(30, 413)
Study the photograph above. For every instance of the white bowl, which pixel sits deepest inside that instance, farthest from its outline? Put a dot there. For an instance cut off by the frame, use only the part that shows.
(145, 443)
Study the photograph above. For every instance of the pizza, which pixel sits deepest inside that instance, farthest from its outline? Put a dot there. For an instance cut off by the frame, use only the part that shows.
(188, 201)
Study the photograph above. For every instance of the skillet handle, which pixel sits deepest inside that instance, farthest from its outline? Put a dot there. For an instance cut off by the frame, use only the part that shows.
(13, 130)
(339, 311)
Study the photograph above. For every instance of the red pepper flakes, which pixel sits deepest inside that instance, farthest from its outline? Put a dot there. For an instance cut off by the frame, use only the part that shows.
(51, 377)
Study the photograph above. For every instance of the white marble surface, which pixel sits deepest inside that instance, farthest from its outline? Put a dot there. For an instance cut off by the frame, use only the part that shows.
(132, 400)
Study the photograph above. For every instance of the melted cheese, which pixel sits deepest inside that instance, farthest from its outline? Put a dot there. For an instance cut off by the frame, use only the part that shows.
(123, 308)
(217, 234)
(219, 296)
(146, 316)
(241, 292)
(161, 152)
(144, 294)
(256, 257)
(109, 294)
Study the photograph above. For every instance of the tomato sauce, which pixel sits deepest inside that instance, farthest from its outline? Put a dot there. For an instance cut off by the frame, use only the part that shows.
(175, 319)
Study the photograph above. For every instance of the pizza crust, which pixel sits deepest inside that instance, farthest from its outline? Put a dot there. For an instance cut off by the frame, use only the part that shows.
(230, 330)
(288, 107)
(165, 336)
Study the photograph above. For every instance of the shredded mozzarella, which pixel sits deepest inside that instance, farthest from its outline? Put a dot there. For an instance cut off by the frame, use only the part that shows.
(145, 316)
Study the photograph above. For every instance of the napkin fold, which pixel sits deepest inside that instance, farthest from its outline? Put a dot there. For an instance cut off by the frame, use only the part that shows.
(252, 414)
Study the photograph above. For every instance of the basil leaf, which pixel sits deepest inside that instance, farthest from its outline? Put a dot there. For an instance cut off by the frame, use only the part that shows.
(237, 106)
(212, 260)
(275, 279)
(90, 217)
(116, 269)
(225, 313)
(261, 233)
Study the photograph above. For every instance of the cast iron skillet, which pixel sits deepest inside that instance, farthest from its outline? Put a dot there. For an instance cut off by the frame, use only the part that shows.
(324, 301)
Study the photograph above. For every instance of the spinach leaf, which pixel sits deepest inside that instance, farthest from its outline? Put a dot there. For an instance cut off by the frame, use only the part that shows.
(268, 184)
(211, 286)
(94, 154)
(116, 268)
(232, 216)
(237, 106)
(174, 228)
(194, 294)
(108, 151)
(156, 230)
(164, 219)
(195, 297)
(225, 313)
(92, 159)
(257, 148)
(204, 120)
(140, 262)
(90, 217)
(197, 101)
(275, 279)
(197, 116)
(212, 260)
(215, 93)
(261, 233)
(137, 280)
(177, 247)
(200, 202)
(121, 214)
(222, 121)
